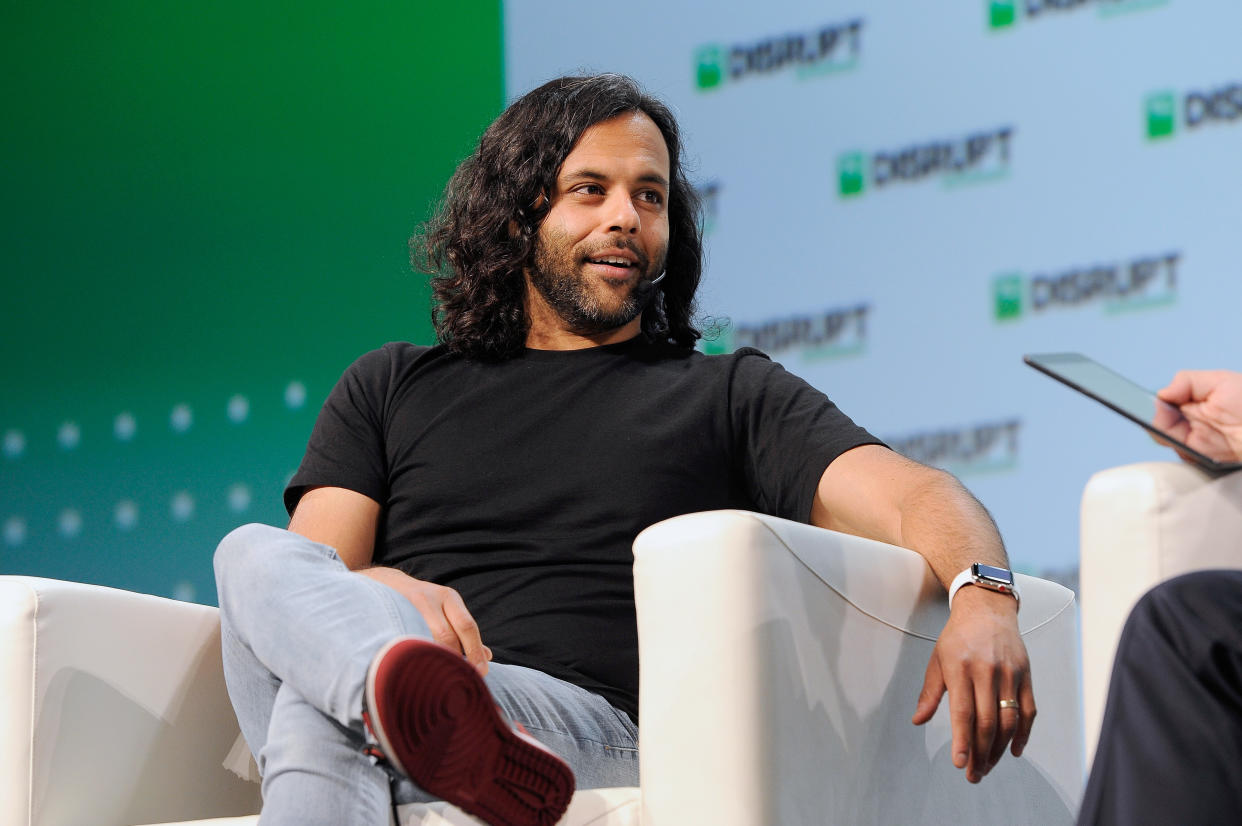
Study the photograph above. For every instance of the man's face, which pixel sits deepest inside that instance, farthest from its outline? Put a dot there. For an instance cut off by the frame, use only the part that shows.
(607, 227)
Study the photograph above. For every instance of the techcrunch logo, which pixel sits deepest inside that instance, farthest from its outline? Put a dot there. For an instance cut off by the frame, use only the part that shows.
(831, 48)
(1141, 283)
(1217, 106)
(1003, 14)
(978, 448)
(834, 333)
(974, 158)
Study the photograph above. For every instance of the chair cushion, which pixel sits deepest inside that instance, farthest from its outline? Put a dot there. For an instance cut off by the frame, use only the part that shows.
(1141, 525)
(590, 807)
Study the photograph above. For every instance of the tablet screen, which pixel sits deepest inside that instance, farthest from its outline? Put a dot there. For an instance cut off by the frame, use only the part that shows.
(1122, 395)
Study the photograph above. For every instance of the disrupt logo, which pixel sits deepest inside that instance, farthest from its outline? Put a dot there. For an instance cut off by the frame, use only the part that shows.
(1143, 282)
(1222, 105)
(1004, 13)
(976, 157)
(830, 48)
(990, 446)
(841, 331)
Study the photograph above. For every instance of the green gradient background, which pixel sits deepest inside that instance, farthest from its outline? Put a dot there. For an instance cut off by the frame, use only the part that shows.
(203, 200)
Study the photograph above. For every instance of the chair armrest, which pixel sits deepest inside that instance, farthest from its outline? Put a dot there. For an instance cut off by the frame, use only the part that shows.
(780, 665)
(115, 709)
(1142, 524)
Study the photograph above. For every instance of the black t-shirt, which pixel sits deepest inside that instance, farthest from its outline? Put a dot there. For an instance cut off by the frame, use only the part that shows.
(522, 484)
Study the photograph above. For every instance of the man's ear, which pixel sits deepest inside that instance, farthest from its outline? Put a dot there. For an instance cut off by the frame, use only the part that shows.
(538, 204)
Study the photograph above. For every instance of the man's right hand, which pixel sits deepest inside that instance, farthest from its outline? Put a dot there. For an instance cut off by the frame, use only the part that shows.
(346, 520)
(1211, 401)
(444, 611)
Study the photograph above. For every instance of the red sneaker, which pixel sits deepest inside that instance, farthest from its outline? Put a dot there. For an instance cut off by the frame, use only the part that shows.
(436, 723)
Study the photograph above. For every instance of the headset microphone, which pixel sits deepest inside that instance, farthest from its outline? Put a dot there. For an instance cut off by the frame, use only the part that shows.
(645, 288)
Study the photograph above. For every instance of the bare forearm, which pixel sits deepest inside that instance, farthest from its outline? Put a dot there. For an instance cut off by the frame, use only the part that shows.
(873, 492)
(979, 657)
(950, 528)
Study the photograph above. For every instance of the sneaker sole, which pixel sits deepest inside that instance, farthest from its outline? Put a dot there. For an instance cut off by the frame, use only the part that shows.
(446, 734)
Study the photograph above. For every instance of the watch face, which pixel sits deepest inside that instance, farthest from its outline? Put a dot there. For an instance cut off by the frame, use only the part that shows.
(993, 573)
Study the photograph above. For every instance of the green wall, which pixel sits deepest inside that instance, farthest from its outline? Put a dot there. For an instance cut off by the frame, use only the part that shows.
(206, 202)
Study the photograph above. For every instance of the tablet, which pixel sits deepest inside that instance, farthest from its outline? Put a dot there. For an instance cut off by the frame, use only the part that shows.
(1114, 391)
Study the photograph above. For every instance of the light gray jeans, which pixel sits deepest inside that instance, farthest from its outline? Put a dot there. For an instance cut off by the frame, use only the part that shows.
(299, 630)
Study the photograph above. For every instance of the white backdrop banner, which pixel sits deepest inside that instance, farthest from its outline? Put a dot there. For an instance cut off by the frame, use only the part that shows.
(903, 199)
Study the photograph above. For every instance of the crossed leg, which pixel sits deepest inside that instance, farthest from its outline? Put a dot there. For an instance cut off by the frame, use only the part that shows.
(299, 631)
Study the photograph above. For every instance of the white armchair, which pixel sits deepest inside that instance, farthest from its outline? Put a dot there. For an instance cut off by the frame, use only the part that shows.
(1142, 524)
(780, 667)
(114, 709)
(781, 664)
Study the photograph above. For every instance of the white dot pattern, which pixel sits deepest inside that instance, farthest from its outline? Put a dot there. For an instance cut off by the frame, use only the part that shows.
(182, 506)
(14, 531)
(125, 514)
(239, 409)
(181, 418)
(14, 443)
(69, 523)
(124, 427)
(69, 435)
(295, 395)
(239, 498)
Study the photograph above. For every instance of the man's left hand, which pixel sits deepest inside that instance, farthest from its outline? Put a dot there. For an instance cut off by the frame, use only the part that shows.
(980, 660)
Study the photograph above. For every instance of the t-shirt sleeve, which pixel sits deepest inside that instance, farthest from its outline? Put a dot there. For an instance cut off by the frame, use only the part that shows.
(786, 433)
(346, 447)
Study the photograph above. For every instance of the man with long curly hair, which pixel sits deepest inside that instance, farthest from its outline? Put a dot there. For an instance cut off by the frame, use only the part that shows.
(459, 550)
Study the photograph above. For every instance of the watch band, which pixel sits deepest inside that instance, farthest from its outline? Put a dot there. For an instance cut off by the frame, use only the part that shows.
(970, 576)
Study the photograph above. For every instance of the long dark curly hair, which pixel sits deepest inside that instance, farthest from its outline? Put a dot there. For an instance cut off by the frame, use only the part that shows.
(484, 233)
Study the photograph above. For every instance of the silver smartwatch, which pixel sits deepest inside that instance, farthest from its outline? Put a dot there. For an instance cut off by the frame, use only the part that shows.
(985, 576)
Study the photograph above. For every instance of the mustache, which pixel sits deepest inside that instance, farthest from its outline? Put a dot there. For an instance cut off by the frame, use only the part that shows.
(644, 263)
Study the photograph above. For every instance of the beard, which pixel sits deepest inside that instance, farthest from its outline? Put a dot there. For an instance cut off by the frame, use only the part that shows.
(586, 308)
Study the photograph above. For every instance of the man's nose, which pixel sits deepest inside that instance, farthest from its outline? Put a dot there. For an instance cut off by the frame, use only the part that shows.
(622, 215)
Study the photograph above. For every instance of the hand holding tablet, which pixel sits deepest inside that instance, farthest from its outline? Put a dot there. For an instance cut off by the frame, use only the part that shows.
(1201, 429)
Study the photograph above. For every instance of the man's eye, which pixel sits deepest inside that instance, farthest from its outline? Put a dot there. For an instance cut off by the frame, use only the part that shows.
(590, 189)
(652, 197)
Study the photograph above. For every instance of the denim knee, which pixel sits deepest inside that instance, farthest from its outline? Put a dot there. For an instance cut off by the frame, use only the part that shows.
(234, 556)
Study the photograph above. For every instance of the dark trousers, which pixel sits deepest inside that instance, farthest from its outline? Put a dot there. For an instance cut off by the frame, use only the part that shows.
(1170, 749)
